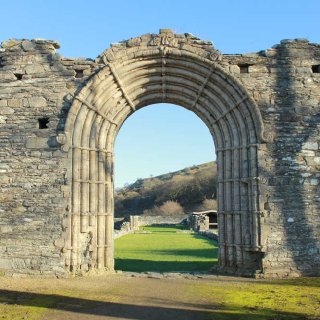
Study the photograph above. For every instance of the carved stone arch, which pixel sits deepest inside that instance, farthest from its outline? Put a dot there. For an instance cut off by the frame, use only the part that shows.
(181, 70)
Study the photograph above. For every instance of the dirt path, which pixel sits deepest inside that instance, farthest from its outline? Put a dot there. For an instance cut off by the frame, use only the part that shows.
(114, 297)
(153, 297)
(139, 298)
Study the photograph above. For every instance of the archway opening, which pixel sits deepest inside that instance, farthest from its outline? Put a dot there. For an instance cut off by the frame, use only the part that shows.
(166, 186)
(152, 69)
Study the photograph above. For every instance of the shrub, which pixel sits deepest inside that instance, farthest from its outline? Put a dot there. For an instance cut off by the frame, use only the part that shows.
(208, 204)
(154, 211)
(132, 194)
(168, 208)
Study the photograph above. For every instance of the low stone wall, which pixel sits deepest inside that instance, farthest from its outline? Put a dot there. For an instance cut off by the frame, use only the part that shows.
(209, 234)
(130, 224)
(119, 233)
(149, 220)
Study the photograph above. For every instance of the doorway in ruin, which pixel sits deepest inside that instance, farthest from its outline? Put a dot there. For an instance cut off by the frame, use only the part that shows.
(161, 69)
(151, 212)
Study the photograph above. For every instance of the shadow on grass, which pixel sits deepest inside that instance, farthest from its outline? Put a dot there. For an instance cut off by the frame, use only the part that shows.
(80, 306)
(137, 265)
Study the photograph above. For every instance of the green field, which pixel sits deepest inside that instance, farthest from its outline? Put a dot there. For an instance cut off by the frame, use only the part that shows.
(165, 249)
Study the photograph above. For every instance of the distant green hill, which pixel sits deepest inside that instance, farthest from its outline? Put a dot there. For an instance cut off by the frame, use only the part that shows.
(194, 188)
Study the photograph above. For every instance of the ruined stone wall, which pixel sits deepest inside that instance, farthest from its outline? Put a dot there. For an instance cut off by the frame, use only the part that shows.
(285, 83)
(34, 86)
(36, 89)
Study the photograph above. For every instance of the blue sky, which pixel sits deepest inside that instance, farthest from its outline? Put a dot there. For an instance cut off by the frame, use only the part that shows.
(176, 138)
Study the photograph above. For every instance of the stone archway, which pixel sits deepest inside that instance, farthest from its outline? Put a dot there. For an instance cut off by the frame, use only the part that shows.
(151, 69)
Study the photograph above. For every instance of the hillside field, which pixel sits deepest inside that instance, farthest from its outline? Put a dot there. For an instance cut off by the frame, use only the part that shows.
(192, 188)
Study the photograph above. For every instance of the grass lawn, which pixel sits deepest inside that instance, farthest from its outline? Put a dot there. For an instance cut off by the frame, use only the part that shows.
(292, 299)
(165, 249)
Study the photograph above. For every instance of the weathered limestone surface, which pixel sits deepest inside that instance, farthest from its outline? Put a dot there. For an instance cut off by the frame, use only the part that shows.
(34, 84)
(56, 193)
